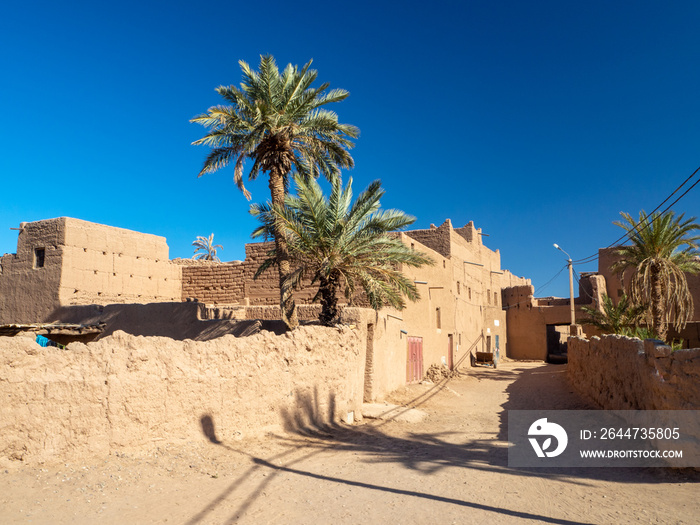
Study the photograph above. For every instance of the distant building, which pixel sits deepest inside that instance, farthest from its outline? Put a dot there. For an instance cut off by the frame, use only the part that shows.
(538, 327)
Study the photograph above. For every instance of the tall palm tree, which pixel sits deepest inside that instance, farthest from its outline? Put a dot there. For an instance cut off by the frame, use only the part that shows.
(342, 245)
(278, 121)
(664, 247)
(207, 247)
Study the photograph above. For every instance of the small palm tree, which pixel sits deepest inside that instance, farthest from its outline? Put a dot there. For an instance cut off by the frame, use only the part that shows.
(278, 121)
(664, 247)
(621, 318)
(207, 247)
(343, 245)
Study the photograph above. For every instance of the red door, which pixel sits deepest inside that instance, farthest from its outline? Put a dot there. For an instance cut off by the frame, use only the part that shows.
(450, 352)
(414, 364)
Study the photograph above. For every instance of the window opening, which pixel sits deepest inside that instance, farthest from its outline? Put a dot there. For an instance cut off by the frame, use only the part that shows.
(39, 256)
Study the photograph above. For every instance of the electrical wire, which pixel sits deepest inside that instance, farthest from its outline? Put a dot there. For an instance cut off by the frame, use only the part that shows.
(647, 224)
(578, 281)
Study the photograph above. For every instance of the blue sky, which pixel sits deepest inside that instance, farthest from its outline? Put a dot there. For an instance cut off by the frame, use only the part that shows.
(539, 121)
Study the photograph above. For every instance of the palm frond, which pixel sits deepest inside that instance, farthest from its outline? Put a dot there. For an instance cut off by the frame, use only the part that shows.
(335, 240)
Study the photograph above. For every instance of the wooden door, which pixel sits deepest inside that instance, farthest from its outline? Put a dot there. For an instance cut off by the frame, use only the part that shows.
(450, 352)
(414, 362)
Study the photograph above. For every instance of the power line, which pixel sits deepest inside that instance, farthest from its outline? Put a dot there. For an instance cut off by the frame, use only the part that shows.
(646, 224)
(578, 280)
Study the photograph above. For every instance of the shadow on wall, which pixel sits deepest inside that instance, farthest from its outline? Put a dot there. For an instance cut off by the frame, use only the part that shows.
(177, 321)
(308, 414)
(208, 429)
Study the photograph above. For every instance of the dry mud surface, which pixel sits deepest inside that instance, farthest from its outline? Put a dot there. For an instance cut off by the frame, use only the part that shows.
(449, 468)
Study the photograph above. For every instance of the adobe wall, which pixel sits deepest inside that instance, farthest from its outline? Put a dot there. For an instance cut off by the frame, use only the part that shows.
(214, 283)
(234, 282)
(29, 294)
(437, 239)
(106, 265)
(528, 316)
(615, 285)
(84, 263)
(128, 393)
(621, 373)
(465, 286)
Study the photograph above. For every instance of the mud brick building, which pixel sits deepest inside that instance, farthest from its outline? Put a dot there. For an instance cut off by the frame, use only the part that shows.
(67, 269)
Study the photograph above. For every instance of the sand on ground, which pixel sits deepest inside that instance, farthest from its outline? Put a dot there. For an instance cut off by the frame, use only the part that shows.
(451, 467)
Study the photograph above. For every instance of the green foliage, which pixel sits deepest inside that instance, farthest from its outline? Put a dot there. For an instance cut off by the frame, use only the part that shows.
(343, 244)
(207, 248)
(621, 318)
(642, 332)
(277, 120)
(676, 345)
(663, 248)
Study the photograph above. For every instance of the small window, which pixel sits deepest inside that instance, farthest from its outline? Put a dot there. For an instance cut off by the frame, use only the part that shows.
(470, 293)
(495, 298)
(413, 246)
(39, 256)
(459, 288)
(437, 318)
(488, 296)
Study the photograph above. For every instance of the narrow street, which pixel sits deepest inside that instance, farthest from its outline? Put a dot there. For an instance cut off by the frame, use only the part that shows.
(449, 468)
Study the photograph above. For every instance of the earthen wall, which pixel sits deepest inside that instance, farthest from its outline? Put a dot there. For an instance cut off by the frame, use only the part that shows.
(528, 316)
(107, 265)
(126, 392)
(621, 373)
(214, 283)
(83, 263)
(29, 292)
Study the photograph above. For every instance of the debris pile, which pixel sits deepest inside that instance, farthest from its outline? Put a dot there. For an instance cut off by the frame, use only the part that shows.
(437, 373)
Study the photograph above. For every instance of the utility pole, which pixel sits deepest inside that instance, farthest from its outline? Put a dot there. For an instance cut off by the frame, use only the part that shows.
(571, 284)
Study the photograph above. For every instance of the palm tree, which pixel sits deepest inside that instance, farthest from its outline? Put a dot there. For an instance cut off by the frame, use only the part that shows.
(342, 245)
(663, 248)
(621, 318)
(278, 121)
(208, 248)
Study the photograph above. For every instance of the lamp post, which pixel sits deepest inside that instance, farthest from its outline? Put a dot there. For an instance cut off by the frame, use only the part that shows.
(571, 283)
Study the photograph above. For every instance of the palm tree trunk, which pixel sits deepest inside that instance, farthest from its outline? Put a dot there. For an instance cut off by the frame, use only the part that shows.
(657, 306)
(287, 305)
(329, 301)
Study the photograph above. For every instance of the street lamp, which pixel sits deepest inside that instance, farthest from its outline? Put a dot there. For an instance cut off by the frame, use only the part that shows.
(571, 283)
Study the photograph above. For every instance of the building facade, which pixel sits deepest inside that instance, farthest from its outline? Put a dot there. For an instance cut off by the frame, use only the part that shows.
(68, 269)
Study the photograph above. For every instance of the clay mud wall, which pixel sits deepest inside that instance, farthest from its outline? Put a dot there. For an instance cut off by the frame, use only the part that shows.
(65, 261)
(214, 283)
(527, 317)
(622, 373)
(129, 392)
(234, 282)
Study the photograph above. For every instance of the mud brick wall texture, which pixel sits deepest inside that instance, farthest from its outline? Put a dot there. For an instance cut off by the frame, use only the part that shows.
(213, 283)
(621, 373)
(235, 283)
(128, 392)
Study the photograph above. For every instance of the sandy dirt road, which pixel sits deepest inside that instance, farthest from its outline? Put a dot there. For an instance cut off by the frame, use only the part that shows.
(449, 468)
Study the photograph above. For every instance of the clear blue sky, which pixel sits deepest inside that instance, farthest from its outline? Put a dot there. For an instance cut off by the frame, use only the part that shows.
(539, 121)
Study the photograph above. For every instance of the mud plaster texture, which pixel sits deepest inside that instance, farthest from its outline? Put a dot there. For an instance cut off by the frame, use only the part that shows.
(621, 373)
(129, 392)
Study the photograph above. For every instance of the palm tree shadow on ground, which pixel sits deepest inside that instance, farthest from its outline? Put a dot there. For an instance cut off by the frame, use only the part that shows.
(311, 427)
